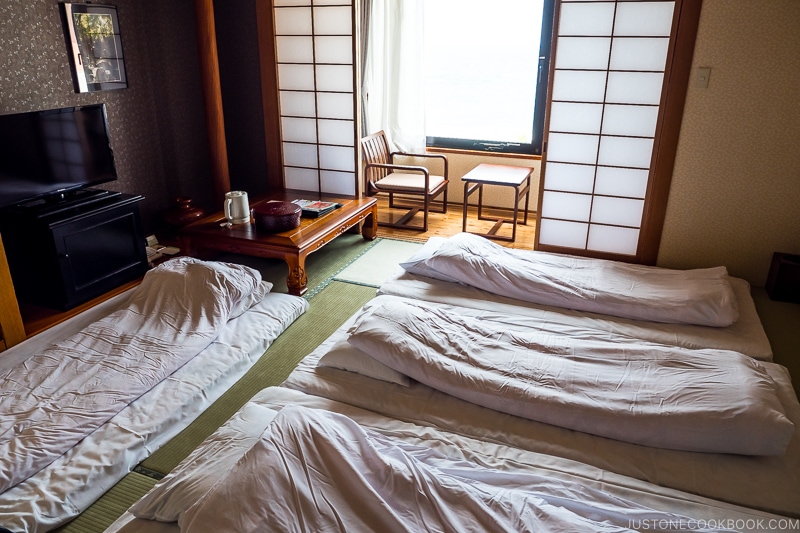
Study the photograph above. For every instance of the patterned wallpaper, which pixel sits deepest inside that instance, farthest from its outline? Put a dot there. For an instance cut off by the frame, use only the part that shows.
(157, 124)
(735, 196)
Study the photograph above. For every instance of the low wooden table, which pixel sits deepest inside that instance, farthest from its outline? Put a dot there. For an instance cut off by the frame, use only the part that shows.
(292, 246)
(506, 176)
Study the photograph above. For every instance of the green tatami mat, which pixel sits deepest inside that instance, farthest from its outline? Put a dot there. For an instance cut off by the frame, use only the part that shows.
(116, 501)
(328, 310)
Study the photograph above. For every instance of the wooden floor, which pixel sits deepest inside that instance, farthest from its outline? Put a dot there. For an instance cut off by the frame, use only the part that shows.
(450, 223)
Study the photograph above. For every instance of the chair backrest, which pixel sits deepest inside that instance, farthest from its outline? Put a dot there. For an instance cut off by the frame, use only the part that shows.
(375, 149)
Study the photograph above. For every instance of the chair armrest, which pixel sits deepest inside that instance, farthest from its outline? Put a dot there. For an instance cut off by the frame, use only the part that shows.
(410, 168)
(429, 156)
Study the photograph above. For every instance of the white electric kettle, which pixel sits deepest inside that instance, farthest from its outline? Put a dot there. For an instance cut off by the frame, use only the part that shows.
(237, 207)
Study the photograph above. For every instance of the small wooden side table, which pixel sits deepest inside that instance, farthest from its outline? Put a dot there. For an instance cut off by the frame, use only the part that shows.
(505, 176)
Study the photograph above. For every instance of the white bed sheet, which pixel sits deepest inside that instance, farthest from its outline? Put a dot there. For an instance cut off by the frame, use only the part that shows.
(745, 336)
(767, 483)
(74, 481)
(701, 512)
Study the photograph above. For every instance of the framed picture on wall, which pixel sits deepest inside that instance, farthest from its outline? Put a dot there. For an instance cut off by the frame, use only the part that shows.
(95, 46)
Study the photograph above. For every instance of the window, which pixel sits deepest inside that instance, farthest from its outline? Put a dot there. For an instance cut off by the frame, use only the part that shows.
(486, 73)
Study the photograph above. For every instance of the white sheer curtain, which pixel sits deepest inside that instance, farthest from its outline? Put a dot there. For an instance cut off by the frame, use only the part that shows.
(392, 85)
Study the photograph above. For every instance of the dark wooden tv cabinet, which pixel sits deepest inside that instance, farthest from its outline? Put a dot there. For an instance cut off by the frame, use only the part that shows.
(62, 255)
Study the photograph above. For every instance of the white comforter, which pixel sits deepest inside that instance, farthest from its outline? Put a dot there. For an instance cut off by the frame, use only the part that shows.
(665, 397)
(314, 470)
(62, 394)
(701, 296)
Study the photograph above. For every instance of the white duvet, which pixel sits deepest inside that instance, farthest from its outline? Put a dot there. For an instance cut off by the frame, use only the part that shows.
(314, 470)
(62, 394)
(648, 394)
(701, 296)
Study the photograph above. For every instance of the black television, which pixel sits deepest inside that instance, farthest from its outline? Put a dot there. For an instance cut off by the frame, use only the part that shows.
(54, 153)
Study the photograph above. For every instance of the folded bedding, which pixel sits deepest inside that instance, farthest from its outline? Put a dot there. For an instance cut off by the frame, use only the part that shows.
(324, 472)
(647, 394)
(701, 296)
(63, 393)
(290, 461)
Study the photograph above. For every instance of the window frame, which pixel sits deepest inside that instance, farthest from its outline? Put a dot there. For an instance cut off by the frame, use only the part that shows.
(540, 104)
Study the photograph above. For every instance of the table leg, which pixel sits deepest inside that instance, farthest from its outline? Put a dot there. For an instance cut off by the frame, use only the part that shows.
(369, 231)
(297, 282)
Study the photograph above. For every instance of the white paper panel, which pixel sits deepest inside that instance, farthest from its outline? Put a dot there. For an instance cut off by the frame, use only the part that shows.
(302, 130)
(337, 158)
(576, 118)
(583, 52)
(625, 152)
(632, 120)
(340, 132)
(644, 18)
(634, 88)
(291, 2)
(297, 104)
(335, 105)
(304, 179)
(334, 50)
(333, 3)
(632, 53)
(300, 155)
(586, 19)
(613, 239)
(617, 211)
(294, 49)
(561, 233)
(571, 178)
(336, 78)
(296, 77)
(293, 21)
(567, 148)
(567, 206)
(621, 182)
(338, 183)
(579, 86)
(333, 21)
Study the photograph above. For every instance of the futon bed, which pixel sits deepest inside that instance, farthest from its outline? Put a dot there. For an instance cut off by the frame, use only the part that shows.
(86, 401)
(390, 413)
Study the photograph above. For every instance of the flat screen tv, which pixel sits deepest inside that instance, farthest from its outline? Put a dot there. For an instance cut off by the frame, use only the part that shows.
(52, 154)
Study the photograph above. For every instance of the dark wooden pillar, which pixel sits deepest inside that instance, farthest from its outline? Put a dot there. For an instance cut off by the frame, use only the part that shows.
(269, 92)
(212, 94)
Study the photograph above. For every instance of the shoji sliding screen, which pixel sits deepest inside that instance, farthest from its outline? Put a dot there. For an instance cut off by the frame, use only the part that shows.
(609, 78)
(314, 48)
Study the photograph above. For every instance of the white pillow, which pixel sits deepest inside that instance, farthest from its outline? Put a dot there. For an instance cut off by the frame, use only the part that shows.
(198, 472)
(416, 263)
(345, 356)
(249, 301)
(210, 287)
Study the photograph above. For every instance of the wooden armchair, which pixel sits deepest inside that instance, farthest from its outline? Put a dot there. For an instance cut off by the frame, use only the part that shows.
(382, 175)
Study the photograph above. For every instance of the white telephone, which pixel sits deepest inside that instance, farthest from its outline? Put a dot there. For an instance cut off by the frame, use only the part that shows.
(156, 251)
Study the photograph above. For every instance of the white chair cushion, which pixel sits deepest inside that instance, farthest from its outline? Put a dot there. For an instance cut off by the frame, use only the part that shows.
(408, 181)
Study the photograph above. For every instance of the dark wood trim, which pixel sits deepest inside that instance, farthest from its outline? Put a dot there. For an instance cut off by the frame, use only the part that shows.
(269, 93)
(212, 94)
(679, 72)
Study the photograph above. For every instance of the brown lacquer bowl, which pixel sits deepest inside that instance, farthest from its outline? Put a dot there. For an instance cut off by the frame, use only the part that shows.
(276, 217)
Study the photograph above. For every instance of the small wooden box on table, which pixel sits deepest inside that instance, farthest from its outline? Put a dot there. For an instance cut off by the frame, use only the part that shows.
(505, 176)
(213, 233)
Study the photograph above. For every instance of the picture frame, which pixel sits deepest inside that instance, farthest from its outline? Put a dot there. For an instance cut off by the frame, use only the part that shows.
(95, 47)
